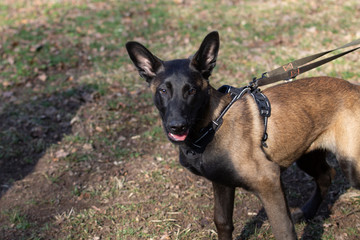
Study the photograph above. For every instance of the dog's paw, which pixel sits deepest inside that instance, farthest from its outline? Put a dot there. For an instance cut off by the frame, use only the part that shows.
(297, 215)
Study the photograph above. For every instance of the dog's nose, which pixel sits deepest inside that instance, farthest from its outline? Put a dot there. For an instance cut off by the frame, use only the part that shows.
(178, 126)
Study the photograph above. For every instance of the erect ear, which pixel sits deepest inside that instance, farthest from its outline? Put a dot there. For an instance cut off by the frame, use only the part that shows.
(204, 59)
(146, 63)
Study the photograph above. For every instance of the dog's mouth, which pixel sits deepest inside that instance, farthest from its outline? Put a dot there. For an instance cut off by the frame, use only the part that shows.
(178, 137)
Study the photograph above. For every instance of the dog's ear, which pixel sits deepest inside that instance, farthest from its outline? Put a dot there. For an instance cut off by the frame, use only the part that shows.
(146, 63)
(204, 59)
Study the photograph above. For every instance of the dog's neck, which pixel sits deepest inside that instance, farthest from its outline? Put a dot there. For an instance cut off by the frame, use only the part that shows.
(216, 103)
(203, 132)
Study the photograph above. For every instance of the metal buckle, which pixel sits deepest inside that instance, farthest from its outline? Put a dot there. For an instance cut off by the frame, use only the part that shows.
(254, 83)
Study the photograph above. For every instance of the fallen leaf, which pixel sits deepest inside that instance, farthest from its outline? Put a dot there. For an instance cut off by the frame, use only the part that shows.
(70, 78)
(6, 83)
(165, 237)
(42, 77)
(99, 129)
(11, 60)
(87, 147)
(61, 154)
(98, 209)
(74, 120)
(85, 195)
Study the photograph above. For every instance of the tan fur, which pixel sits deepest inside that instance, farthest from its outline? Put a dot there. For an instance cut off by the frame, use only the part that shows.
(314, 117)
(307, 114)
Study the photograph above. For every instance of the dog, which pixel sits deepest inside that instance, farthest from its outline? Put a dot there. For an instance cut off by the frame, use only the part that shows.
(309, 117)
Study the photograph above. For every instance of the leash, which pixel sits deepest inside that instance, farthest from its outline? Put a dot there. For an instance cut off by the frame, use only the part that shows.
(294, 68)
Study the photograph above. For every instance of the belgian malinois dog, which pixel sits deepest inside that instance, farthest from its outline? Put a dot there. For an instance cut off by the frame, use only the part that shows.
(309, 117)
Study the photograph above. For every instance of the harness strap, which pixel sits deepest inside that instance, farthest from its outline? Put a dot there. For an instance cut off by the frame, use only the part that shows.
(236, 94)
(292, 69)
(207, 134)
(265, 111)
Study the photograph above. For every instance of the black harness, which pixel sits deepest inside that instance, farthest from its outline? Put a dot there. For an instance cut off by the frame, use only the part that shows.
(194, 148)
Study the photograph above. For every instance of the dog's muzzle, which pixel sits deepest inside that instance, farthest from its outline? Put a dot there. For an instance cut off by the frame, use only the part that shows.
(178, 130)
(178, 137)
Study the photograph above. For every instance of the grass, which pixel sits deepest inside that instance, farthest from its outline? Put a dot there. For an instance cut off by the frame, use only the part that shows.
(79, 135)
(18, 220)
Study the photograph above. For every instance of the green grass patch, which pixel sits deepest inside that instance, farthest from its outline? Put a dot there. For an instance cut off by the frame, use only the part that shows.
(18, 220)
(78, 157)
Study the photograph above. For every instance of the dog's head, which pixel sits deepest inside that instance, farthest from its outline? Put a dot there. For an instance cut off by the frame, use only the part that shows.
(180, 87)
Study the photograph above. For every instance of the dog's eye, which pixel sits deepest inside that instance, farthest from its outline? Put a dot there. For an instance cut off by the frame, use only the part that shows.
(192, 91)
(162, 91)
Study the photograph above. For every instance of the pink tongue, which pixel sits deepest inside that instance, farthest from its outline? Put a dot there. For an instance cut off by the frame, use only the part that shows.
(178, 137)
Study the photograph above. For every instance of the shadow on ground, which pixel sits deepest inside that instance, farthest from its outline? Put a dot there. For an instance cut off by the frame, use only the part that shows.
(29, 126)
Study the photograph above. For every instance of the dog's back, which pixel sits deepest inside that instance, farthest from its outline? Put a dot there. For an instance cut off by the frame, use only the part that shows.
(316, 113)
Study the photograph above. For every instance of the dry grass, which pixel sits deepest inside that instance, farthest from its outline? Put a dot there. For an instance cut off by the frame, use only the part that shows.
(82, 153)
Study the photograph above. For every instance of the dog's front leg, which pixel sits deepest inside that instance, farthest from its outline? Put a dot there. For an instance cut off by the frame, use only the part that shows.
(272, 196)
(223, 210)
